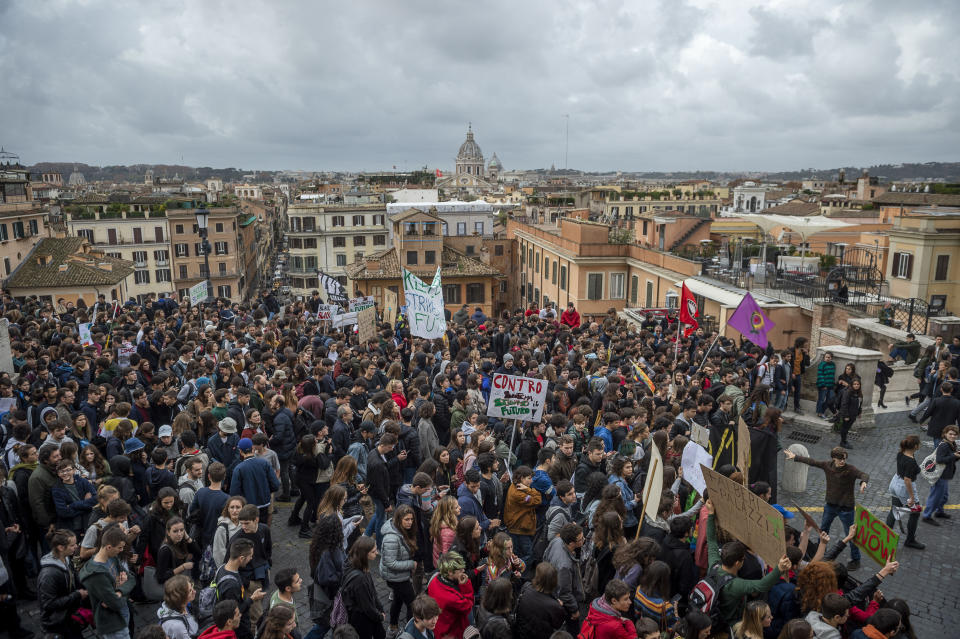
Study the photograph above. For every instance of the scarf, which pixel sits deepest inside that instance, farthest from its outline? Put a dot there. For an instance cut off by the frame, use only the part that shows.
(872, 633)
(31, 467)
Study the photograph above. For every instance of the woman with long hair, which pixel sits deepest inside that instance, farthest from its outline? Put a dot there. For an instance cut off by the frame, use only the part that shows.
(596, 482)
(764, 450)
(621, 475)
(364, 610)
(903, 489)
(444, 475)
(174, 615)
(632, 558)
(395, 388)
(816, 580)
(694, 625)
(80, 429)
(280, 623)
(443, 526)
(468, 544)
(652, 597)
(800, 629)
(493, 615)
(178, 554)
(851, 405)
(345, 475)
(539, 612)
(397, 563)
(227, 525)
(756, 617)
(308, 461)
(607, 537)
(502, 562)
(327, 563)
(58, 590)
(92, 461)
(611, 499)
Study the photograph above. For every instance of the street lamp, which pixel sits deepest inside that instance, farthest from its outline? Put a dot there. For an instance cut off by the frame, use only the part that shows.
(203, 218)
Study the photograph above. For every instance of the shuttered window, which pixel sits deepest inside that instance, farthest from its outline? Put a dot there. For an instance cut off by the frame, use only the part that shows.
(902, 266)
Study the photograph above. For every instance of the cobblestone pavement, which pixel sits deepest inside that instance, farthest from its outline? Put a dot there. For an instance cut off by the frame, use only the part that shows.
(926, 580)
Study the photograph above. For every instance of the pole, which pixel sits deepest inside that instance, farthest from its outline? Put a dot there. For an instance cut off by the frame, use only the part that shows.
(206, 264)
(510, 455)
(651, 470)
(707, 354)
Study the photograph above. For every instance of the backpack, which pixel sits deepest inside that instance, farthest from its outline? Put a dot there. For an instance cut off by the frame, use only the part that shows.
(208, 565)
(540, 542)
(705, 596)
(930, 469)
(186, 626)
(590, 571)
(208, 597)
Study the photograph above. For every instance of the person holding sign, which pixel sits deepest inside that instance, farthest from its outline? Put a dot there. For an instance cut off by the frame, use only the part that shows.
(841, 479)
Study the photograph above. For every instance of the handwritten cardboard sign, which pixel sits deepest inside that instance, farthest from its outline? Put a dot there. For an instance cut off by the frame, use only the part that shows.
(700, 434)
(514, 397)
(874, 538)
(424, 306)
(743, 448)
(746, 516)
(653, 486)
(367, 324)
(390, 305)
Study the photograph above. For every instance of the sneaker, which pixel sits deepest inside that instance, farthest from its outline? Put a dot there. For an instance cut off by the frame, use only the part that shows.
(853, 565)
(930, 520)
(942, 515)
(912, 418)
(916, 545)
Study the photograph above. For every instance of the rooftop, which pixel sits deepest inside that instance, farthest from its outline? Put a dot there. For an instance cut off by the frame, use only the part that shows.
(917, 199)
(387, 266)
(794, 207)
(68, 262)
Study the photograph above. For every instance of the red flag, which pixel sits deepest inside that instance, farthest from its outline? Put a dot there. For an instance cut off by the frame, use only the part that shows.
(439, 172)
(688, 311)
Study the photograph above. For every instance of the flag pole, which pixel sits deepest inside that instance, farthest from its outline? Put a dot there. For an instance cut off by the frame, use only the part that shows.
(707, 354)
(643, 514)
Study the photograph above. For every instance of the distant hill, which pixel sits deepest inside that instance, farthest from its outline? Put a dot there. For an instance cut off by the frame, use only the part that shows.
(136, 172)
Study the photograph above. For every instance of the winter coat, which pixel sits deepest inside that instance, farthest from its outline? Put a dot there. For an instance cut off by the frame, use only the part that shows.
(470, 505)
(607, 622)
(539, 615)
(492, 626)
(851, 404)
(429, 441)
(284, 439)
(396, 560)
(40, 487)
(826, 374)
(57, 594)
(109, 611)
(360, 595)
(378, 478)
(520, 509)
(456, 603)
(223, 451)
(72, 512)
(255, 480)
(569, 581)
(684, 574)
(821, 629)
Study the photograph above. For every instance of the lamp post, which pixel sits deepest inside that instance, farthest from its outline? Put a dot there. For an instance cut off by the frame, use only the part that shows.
(203, 218)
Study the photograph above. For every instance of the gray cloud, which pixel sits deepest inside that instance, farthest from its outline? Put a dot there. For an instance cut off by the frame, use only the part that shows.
(648, 85)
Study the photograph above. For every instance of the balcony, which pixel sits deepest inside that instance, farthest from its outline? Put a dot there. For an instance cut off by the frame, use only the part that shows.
(161, 263)
(142, 264)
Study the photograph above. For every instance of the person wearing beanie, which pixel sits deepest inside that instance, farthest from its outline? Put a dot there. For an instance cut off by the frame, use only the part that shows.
(254, 479)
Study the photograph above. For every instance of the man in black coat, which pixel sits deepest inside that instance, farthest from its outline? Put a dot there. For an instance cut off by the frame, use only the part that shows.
(941, 412)
(378, 482)
(675, 552)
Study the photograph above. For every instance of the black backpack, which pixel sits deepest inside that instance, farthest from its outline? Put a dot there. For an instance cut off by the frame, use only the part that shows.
(540, 541)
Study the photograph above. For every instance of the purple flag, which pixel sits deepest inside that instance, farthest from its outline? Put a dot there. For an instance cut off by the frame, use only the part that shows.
(751, 321)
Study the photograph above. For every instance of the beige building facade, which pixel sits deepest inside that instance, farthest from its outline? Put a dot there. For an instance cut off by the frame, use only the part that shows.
(23, 220)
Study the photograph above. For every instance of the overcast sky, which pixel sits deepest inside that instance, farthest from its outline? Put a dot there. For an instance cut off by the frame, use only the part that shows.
(648, 85)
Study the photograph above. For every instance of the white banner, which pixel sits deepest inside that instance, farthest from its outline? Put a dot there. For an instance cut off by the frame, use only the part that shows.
(360, 303)
(424, 306)
(693, 455)
(513, 397)
(344, 319)
(198, 293)
(85, 338)
(325, 312)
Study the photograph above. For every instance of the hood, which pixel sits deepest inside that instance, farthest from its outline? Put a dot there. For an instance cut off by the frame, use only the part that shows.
(601, 612)
(163, 611)
(389, 529)
(120, 465)
(92, 567)
(463, 491)
(215, 633)
(46, 411)
(49, 560)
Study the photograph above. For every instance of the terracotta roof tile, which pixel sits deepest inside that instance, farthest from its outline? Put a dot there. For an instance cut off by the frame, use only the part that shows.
(454, 264)
(794, 207)
(82, 269)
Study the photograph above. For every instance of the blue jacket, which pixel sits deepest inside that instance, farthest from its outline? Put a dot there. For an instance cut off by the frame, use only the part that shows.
(470, 505)
(627, 494)
(284, 440)
(603, 433)
(223, 452)
(255, 480)
(543, 483)
(71, 513)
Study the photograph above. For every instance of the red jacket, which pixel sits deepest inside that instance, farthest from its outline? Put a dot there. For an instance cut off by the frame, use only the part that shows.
(607, 623)
(570, 317)
(215, 633)
(455, 606)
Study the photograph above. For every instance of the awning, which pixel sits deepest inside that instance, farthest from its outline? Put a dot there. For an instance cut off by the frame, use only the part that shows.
(804, 226)
(250, 220)
(726, 296)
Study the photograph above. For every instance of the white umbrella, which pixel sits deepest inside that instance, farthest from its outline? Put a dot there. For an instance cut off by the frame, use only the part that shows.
(805, 226)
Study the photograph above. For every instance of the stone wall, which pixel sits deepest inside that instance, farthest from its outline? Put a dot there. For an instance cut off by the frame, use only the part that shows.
(833, 316)
(871, 334)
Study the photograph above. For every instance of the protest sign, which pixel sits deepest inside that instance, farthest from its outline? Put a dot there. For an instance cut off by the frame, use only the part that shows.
(367, 324)
(513, 397)
(424, 306)
(7, 404)
(653, 486)
(344, 319)
(360, 303)
(700, 434)
(390, 304)
(198, 293)
(747, 516)
(85, 338)
(743, 448)
(325, 312)
(874, 538)
(807, 518)
(693, 456)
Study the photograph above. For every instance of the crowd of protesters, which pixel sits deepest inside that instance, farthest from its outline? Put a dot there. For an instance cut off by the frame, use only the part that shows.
(147, 466)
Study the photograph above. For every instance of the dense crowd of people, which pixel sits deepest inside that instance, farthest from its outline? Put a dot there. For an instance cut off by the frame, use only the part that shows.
(146, 465)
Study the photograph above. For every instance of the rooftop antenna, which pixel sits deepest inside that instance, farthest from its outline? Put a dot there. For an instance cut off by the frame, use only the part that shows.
(566, 146)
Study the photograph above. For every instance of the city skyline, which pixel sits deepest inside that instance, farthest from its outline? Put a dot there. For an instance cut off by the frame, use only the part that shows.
(660, 86)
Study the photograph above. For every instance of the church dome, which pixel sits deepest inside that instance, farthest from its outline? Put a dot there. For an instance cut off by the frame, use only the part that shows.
(495, 162)
(470, 150)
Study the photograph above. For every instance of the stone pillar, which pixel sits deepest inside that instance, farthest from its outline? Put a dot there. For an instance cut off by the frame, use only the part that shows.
(865, 361)
(6, 355)
(794, 478)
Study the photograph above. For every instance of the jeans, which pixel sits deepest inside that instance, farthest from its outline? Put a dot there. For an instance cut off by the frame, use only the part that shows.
(795, 382)
(899, 353)
(522, 546)
(780, 399)
(939, 493)
(831, 512)
(377, 522)
(317, 632)
(824, 395)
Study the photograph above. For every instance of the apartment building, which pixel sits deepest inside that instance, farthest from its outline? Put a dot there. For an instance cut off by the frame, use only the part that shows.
(232, 235)
(924, 257)
(328, 238)
(22, 218)
(614, 203)
(127, 228)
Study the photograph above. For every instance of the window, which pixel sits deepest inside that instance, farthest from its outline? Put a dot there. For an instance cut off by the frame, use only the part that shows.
(337, 221)
(204, 271)
(183, 271)
(411, 257)
(310, 243)
(182, 250)
(222, 268)
(461, 228)
(6, 265)
(296, 242)
(429, 257)
(471, 249)
(451, 294)
(183, 292)
(546, 267)
(296, 263)
(295, 224)
(198, 249)
(498, 250)
(378, 220)
(309, 224)
(141, 277)
(163, 275)
(379, 240)
(634, 289)
(179, 228)
(644, 227)
(223, 290)
(523, 256)
(140, 259)
(310, 263)
(943, 267)
(563, 278)
(503, 286)
(358, 220)
(410, 228)
(111, 233)
(649, 300)
(536, 263)
(475, 294)
(429, 228)
(219, 227)
(341, 259)
(902, 266)
(161, 257)
(158, 233)
(116, 256)
(617, 283)
(220, 248)
(359, 240)
(137, 235)
(339, 242)
(34, 228)
(553, 278)
(594, 286)
(357, 256)
(86, 234)
(478, 228)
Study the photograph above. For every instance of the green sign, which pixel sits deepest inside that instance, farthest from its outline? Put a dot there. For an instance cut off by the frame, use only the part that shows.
(874, 538)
